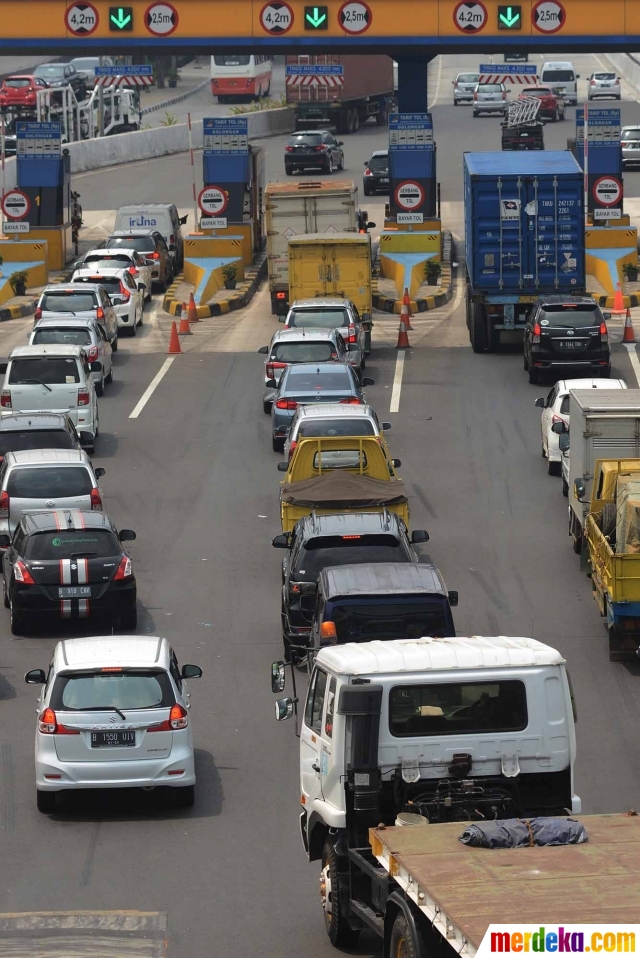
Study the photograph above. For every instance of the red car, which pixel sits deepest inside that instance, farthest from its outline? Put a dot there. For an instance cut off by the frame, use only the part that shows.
(20, 91)
(551, 104)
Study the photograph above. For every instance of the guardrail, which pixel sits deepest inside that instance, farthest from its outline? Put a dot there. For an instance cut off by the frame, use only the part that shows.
(628, 66)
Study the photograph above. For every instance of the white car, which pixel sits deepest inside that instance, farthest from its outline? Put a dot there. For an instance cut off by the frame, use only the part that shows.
(126, 295)
(131, 259)
(113, 712)
(89, 334)
(53, 379)
(555, 408)
(603, 84)
(87, 300)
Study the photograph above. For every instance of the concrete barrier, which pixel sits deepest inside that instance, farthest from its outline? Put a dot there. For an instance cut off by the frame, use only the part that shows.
(627, 66)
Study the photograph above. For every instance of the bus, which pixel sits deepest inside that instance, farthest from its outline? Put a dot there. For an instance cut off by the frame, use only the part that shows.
(234, 76)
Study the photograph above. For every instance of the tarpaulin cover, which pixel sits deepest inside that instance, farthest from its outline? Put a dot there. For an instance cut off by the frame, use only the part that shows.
(516, 833)
(338, 489)
(627, 514)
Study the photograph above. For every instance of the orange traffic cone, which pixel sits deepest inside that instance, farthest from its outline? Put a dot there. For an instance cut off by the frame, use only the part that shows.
(174, 342)
(628, 336)
(185, 325)
(618, 302)
(193, 310)
(403, 339)
(406, 309)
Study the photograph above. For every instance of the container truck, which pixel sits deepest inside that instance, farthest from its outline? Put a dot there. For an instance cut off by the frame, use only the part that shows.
(338, 90)
(432, 731)
(524, 237)
(293, 209)
(332, 264)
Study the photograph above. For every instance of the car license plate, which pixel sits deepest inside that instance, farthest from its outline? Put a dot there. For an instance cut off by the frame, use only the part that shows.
(571, 344)
(113, 739)
(384, 179)
(74, 592)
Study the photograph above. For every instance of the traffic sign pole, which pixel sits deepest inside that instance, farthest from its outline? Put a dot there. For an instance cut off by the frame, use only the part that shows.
(586, 163)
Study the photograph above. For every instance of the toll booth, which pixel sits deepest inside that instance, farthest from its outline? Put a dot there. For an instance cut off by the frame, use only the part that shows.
(43, 175)
(412, 167)
(603, 161)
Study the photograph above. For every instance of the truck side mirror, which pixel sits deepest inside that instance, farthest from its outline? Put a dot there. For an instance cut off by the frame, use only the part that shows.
(419, 535)
(540, 402)
(277, 676)
(579, 489)
(284, 709)
(453, 597)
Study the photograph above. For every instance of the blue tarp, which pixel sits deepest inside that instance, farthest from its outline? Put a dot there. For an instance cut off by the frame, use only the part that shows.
(517, 833)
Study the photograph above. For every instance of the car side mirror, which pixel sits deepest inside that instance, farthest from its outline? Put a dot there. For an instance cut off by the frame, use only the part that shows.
(540, 402)
(396, 463)
(419, 535)
(271, 384)
(283, 466)
(284, 709)
(366, 162)
(579, 489)
(191, 672)
(3, 367)
(100, 472)
(563, 442)
(386, 426)
(96, 367)
(607, 316)
(183, 220)
(5, 541)
(453, 597)
(559, 428)
(340, 143)
(281, 319)
(36, 677)
(263, 350)
(577, 76)
(368, 381)
(371, 226)
(281, 541)
(86, 438)
(172, 247)
(277, 676)
(126, 535)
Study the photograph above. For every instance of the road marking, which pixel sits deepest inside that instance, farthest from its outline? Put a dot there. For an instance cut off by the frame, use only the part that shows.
(633, 359)
(151, 388)
(438, 78)
(397, 384)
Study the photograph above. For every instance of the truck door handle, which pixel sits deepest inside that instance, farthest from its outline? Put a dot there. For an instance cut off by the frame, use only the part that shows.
(315, 767)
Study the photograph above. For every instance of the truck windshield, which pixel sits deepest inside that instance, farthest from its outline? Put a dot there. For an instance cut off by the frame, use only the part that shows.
(570, 316)
(385, 617)
(458, 707)
(325, 551)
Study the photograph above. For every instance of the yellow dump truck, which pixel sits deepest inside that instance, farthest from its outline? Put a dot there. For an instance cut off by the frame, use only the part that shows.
(332, 264)
(612, 532)
(338, 474)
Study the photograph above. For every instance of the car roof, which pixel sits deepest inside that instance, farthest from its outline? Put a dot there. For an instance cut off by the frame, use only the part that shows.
(76, 287)
(43, 457)
(385, 577)
(320, 369)
(127, 651)
(321, 301)
(107, 251)
(335, 410)
(303, 334)
(68, 519)
(165, 207)
(12, 422)
(53, 349)
(68, 320)
(554, 298)
(19, 76)
(431, 654)
(557, 63)
(350, 523)
(106, 271)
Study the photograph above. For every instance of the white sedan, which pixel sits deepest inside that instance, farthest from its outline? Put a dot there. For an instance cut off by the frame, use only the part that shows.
(124, 292)
(555, 408)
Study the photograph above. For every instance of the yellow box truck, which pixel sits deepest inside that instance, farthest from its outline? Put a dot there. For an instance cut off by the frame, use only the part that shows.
(332, 264)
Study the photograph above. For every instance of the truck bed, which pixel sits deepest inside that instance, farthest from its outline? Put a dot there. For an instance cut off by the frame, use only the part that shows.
(470, 888)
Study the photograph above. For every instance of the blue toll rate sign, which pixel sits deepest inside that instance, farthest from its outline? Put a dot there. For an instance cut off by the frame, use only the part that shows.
(410, 131)
(225, 135)
(41, 140)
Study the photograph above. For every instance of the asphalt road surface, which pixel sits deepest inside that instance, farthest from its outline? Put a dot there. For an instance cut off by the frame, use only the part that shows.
(195, 476)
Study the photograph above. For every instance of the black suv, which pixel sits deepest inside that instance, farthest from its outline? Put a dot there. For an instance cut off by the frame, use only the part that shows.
(52, 430)
(313, 149)
(62, 74)
(320, 541)
(150, 244)
(376, 173)
(566, 332)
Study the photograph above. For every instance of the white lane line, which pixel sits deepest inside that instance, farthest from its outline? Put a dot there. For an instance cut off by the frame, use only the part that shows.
(397, 383)
(633, 359)
(151, 388)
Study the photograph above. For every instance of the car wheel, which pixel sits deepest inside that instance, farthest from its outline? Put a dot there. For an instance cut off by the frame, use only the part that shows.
(533, 376)
(133, 330)
(606, 373)
(184, 797)
(141, 320)
(17, 622)
(556, 115)
(288, 171)
(46, 801)
(341, 163)
(109, 377)
(129, 621)
(5, 597)
(329, 169)
(456, 102)
(114, 344)
(277, 444)
(554, 468)
(366, 190)
(100, 387)
(525, 362)
(475, 113)
(266, 407)
(97, 422)
(565, 488)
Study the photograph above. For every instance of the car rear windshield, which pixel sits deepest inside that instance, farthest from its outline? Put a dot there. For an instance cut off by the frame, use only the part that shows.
(379, 163)
(110, 283)
(320, 318)
(52, 370)
(231, 60)
(19, 439)
(571, 316)
(86, 63)
(17, 83)
(604, 76)
(105, 691)
(558, 76)
(70, 543)
(340, 459)
(631, 133)
(539, 92)
(66, 337)
(302, 352)
(69, 301)
(49, 482)
(334, 378)
(143, 244)
(49, 70)
(404, 617)
(105, 262)
(324, 551)
(337, 427)
(490, 87)
(457, 707)
(306, 139)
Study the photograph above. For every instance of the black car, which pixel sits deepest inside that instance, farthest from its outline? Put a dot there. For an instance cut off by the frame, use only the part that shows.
(313, 150)
(51, 430)
(376, 173)
(320, 541)
(61, 75)
(151, 245)
(68, 564)
(566, 332)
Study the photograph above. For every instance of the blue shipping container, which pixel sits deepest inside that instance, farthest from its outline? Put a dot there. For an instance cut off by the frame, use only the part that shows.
(524, 224)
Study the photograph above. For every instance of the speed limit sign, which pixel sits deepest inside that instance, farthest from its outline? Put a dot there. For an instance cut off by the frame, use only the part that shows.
(15, 204)
(212, 200)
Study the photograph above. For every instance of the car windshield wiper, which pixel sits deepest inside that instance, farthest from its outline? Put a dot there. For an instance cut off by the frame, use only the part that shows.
(30, 382)
(103, 708)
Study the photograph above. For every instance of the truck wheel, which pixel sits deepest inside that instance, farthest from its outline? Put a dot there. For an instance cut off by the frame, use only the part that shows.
(577, 544)
(403, 943)
(356, 121)
(565, 488)
(615, 647)
(341, 122)
(477, 331)
(340, 933)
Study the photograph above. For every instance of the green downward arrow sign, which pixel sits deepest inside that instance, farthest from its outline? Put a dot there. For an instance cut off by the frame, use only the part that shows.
(120, 19)
(316, 18)
(510, 17)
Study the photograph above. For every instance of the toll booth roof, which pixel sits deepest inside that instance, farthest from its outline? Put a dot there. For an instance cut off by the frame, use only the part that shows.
(524, 163)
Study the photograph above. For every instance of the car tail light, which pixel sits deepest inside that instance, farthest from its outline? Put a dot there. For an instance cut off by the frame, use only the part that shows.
(99, 313)
(83, 397)
(178, 718)
(38, 313)
(5, 399)
(172, 240)
(352, 401)
(286, 404)
(537, 329)
(124, 292)
(92, 354)
(352, 537)
(367, 172)
(124, 569)
(154, 255)
(281, 295)
(215, 82)
(48, 724)
(271, 368)
(555, 418)
(133, 271)
(593, 83)
(292, 448)
(96, 500)
(4, 505)
(320, 149)
(288, 149)
(22, 574)
(604, 333)
(351, 337)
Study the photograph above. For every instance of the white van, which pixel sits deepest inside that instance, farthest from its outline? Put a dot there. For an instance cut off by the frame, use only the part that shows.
(156, 216)
(561, 75)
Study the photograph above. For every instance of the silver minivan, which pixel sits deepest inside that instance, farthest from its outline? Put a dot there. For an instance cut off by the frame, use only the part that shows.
(37, 480)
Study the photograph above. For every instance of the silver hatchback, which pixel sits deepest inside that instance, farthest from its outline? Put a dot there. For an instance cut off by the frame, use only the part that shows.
(604, 84)
(463, 87)
(331, 312)
(489, 98)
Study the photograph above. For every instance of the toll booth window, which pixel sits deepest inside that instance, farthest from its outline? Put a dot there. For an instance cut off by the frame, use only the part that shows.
(458, 707)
